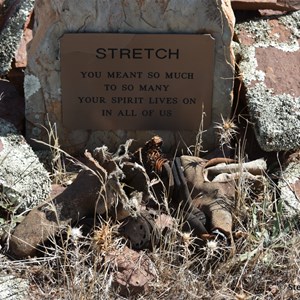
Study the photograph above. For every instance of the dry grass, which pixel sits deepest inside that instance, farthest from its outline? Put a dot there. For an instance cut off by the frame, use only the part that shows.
(226, 131)
(265, 264)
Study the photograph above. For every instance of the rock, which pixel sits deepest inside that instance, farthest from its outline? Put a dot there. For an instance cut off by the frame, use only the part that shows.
(95, 190)
(21, 53)
(289, 187)
(23, 180)
(54, 18)
(56, 189)
(12, 105)
(16, 13)
(13, 288)
(6, 9)
(270, 55)
(164, 222)
(270, 12)
(133, 271)
(284, 5)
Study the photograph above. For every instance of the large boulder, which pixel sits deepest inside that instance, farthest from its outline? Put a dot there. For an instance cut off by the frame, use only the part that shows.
(269, 66)
(24, 182)
(54, 18)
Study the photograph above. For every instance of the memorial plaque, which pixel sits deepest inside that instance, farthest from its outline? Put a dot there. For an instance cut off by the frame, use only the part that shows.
(136, 81)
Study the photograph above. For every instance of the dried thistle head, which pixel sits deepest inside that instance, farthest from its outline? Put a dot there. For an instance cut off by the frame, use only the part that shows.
(104, 239)
(187, 238)
(226, 131)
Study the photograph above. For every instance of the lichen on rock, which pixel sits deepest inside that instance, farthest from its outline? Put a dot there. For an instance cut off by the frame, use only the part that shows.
(11, 34)
(23, 180)
(270, 53)
(31, 85)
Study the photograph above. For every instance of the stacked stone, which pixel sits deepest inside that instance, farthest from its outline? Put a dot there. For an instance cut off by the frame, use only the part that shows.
(269, 65)
(269, 50)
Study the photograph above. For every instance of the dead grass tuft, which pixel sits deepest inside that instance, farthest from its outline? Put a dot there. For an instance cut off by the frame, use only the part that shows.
(265, 264)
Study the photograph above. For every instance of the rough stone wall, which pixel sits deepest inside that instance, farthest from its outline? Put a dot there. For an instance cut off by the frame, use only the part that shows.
(270, 56)
(54, 18)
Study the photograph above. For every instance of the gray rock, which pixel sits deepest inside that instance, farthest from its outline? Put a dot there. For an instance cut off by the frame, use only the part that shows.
(24, 182)
(11, 34)
(54, 18)
(13, 288)
(270, 56)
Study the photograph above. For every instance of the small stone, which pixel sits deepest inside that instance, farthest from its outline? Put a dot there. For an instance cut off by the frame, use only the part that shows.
(133, 271)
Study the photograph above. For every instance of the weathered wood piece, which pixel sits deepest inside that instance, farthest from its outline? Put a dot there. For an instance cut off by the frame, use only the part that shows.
(256, 167)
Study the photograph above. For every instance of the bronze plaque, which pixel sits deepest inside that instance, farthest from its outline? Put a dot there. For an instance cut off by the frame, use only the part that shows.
(136, 81)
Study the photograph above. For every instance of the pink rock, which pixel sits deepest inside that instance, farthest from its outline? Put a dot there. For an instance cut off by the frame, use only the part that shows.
(56, 189)
(13, 15)
(21, 53)
(280, 66)
(289, 187)
(269, 67)
(133, 271)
